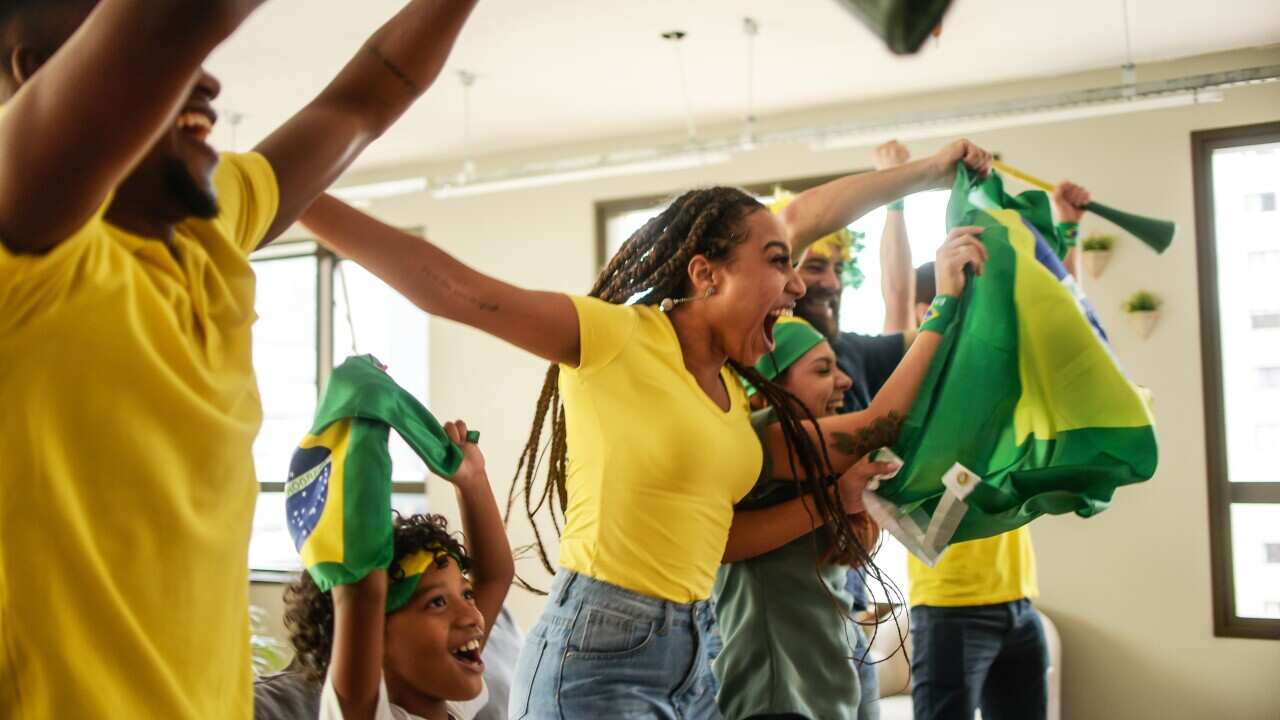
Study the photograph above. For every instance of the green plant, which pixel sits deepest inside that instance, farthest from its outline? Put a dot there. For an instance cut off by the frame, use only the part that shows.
(269, 654)
(1098, 242)
(1142, 301)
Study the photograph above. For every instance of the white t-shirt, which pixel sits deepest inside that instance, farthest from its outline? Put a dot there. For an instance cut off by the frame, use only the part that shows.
(465, 710)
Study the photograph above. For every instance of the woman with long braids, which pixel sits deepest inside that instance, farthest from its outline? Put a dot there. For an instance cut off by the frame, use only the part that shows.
(651, 442)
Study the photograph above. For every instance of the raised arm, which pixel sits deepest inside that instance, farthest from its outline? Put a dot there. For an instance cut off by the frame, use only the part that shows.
(897, 274)
(962, 249)
(543, 323)
(355, 667)
(1069, 200)
(79, 117)
(393, 68)
(825, 209)
(492, 567)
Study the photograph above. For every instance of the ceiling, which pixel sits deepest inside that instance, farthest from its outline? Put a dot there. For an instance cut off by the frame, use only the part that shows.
(560, 71)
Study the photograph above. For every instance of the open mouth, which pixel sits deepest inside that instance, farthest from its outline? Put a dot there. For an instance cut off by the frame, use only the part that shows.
(196, 124)
(468, 654)
(771, 320)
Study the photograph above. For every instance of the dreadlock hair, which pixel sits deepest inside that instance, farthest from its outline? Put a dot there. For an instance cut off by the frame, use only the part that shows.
(309, 610)
(653, 263)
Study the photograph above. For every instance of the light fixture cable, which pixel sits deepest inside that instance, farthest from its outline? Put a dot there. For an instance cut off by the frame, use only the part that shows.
(676, 38)
(750, 28)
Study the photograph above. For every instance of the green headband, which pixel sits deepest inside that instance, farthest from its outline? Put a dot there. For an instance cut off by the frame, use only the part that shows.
(792, 338)
(414, 567)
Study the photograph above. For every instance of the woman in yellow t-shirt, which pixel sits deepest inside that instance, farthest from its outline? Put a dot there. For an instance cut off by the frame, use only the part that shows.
(651, 441)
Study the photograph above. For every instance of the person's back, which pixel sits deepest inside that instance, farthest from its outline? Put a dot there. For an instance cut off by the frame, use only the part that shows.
(989, 571)
(973, 610)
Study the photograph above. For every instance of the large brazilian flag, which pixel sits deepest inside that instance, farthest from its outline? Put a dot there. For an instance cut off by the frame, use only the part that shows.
(1025, 409)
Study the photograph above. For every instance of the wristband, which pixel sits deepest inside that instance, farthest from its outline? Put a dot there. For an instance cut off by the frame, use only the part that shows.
(898, 205)
(1069, 232)
(940, 314)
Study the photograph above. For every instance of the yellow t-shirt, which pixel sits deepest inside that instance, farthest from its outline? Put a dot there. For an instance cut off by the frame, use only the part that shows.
(990, 571)
(655, 466)
(128, 488)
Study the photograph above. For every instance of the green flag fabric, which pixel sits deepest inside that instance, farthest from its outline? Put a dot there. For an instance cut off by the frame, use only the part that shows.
(338, 494)
(1025, 410)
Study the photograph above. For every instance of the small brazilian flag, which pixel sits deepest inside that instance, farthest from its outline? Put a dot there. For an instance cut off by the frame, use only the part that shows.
(338, 495)
(1025, 410)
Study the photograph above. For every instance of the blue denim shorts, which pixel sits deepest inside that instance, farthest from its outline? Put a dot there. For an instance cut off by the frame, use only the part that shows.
(600, 651)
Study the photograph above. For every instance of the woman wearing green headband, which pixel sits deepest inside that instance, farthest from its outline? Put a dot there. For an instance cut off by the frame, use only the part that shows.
(786, 626)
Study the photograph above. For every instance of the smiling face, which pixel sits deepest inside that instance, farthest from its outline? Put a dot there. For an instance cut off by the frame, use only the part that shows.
(176, 174)
(817, 381)
(821, 303)
(754, 285)
(433, 643)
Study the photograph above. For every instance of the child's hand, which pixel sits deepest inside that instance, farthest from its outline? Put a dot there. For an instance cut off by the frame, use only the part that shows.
(472, 466)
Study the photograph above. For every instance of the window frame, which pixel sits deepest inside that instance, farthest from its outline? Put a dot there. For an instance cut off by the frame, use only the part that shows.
(326, 300)
(1222, 492)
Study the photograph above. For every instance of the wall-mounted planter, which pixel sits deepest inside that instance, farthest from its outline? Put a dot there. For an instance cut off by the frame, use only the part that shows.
(1144, 322)
(1095, 261)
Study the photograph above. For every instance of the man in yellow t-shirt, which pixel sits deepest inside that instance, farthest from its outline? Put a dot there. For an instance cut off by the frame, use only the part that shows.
(126, 301)
(977, 641)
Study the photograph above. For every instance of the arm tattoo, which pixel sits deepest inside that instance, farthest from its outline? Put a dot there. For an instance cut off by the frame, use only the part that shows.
(446, 285)
(882, 432)
(395, 70)
(845, 443)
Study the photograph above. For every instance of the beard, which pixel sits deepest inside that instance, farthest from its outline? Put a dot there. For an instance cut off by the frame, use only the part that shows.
(197, 200)
(821, 308)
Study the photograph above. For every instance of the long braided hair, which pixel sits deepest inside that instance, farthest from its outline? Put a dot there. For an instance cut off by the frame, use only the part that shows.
(653, 264)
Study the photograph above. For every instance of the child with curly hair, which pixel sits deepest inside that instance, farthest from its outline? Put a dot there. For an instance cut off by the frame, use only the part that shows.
(404, 643)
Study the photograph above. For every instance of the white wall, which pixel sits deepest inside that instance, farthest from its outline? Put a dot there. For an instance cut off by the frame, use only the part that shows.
(1130, 589)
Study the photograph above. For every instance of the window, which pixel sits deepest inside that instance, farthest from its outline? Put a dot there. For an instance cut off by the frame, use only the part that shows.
(1264, 260)
(1266, 438)
(314, 311)
(1273, 553)
(1260, 202)
(1235, 170)
(1269, 377)
(861, 310)
(1264, 320)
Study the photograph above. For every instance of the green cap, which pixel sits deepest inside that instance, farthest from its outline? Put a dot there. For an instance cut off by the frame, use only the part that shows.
(792, 338)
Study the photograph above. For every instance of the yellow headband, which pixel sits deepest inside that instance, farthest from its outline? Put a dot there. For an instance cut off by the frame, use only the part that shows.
(413, 566)
(417, 563)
